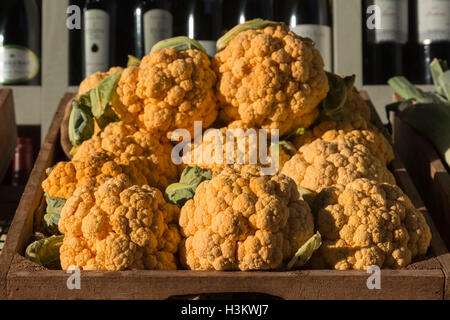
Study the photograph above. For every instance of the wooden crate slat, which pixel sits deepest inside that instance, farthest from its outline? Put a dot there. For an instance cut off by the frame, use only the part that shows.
(8, 130)
(22, 225)
(308, 284)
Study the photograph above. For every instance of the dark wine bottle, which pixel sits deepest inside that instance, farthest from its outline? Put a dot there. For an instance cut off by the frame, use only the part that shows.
(385, 34)
(238, 11)
(153, 22)
(433, 35)
(20, 43)
(122, 23)
(311, 19)
(76, 49)
(96, 36)
(199, 20)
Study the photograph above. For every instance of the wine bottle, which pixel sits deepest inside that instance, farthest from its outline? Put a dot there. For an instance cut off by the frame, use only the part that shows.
(76, 50)
(238, 11)
(153, 22)
(385, 34)
(311, 19)
(22, 161)
(20, 43)
(199, 20)
(96, 36)
(433, 34)
(122, 22)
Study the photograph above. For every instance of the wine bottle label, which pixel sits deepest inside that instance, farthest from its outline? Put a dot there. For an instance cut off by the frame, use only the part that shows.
(433, 20)
(17, 64)
(393, 24)
(210, 47)
(321, 35)
(157, 27)
(96, 41)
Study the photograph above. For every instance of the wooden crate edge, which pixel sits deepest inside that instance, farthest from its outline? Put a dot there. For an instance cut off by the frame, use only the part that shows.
(32, 193)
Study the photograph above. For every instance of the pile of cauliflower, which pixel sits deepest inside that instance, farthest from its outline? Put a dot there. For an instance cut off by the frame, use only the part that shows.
(117, 213)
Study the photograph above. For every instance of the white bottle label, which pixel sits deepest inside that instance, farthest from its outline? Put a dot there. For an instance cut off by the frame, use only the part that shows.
(322, 37)
(210, 47)
(96, 41)
(433, 20)
(17, 64)
(157, 27)
(393, 21)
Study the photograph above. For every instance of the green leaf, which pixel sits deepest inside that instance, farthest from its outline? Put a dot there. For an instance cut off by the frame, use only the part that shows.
(288, 148)
(334, 104)
(408, 91)
(444, 84)
(101, 98)
(305, 252)
(298, 132)
(133, 61)
(282, 146)
(180, 192)
(53, 214)
(308, 195)
(194, 176)
(45, 251)
(178, 43)
(85, 100)
(81, 124)
(254, 24)
(433, 122)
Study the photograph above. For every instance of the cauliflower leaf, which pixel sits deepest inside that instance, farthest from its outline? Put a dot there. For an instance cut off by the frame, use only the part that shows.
(53, 213)
(305, 252)
(45, 251)
(81, 124)
(180, 43)
(101, 97)
(179, 193)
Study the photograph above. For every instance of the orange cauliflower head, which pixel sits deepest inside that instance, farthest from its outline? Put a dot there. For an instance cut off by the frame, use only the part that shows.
(119, 226)
(322, 164)
(353, 132)
(368, 223)
(120, 150)
(242, 220)
(176, 88)
(270, 78)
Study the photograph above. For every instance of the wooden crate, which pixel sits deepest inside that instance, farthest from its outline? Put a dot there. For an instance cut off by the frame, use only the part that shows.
(427, 171)
(8, 130)
(21, 279)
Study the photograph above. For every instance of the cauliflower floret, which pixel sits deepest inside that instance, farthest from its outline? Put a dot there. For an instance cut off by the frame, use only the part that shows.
(94, 79)
(176, 89)
(368, 223)
(243, 220)
(356, 105)
(120, 149)
(118, 226)
(126, 104)
(351, 132)
(270, 78)
(61, 182)
(322, 164)
(236, 144)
